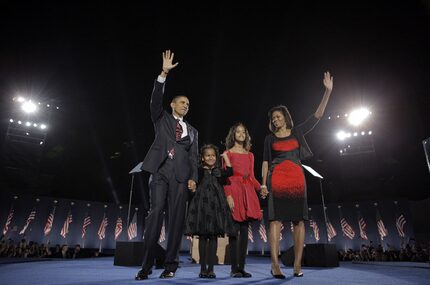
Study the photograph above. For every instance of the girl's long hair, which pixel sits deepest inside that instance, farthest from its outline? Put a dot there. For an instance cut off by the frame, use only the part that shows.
(230, 140)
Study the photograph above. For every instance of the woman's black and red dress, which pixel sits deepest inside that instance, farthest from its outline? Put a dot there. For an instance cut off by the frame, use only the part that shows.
(286, 182)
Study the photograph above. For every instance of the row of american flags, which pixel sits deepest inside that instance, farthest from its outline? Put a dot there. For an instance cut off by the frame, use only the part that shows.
(349, 228)
(86, 223)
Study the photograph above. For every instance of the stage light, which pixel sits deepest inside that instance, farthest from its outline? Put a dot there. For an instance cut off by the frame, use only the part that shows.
(58, 108)
(47, 105)
(341, 135)
(358, 116)
(329, 117)
(19, 122)
(355, 134)
(35, 125)
(20, 99)
(27, 134)
(28, 124)
(370, 133)
(41, 143)
(363, 133)
(11, 120)
(29, 107)
(43, 126)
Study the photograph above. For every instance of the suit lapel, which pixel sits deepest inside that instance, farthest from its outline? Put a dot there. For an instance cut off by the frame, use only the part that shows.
(190, 132)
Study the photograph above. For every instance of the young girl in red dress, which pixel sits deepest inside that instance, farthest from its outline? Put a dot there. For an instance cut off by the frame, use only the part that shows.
(240, 191)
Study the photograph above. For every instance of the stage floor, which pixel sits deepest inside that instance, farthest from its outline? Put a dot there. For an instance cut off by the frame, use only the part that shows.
(102, 271)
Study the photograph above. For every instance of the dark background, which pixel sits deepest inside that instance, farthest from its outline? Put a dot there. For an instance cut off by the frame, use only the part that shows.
(98, 61)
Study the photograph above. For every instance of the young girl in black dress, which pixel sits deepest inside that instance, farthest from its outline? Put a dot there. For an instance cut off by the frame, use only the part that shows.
(209, 216)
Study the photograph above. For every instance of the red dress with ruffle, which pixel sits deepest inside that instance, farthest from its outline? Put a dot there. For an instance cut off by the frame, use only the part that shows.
(242, 186)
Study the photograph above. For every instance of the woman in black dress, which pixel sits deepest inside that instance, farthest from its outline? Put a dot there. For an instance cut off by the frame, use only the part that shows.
(284, 149)
(209, 215)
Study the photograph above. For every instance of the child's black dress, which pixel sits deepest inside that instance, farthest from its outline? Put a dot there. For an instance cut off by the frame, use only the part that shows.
(208, 212)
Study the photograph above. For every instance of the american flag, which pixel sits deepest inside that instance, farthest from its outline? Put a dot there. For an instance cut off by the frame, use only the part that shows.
(132, 228)
(49, 222)
(8, 221)
(262, 232)
(280, 232)
(102, 229)
(118, 227)
(65, 228)
(381, 227)
(362, 225)
(85, 225)
(31, 217)
(250, 236)
(400, 224)
(315, 228)
(346, 228)
(163, 233)
(331, 232)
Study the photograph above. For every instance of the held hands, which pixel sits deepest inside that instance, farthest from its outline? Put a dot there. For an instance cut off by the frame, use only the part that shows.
(168, 62)
(230, 202)
(192, 185)
(328, 81)
(264, 192)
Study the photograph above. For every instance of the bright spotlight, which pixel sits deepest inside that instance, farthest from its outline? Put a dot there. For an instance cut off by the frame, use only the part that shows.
(19, 122)
(363, 133)
(20, 99)
(28, 124)
(43, 126)
(29, 107)
(358, 116)
(41, 143)
(35, 125)
(341, 135)
(11, 120)
(370, 133)
(355, 134)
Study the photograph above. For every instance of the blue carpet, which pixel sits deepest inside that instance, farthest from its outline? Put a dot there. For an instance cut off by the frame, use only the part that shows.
(102, 271)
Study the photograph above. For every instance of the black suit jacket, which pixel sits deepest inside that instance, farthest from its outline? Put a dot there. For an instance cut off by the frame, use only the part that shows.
(165, 140)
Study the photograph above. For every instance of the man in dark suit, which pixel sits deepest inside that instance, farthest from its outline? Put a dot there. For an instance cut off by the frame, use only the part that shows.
(172, 162)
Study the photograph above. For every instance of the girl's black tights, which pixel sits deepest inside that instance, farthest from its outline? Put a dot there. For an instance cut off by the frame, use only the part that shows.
(238, 246)
(207, 251)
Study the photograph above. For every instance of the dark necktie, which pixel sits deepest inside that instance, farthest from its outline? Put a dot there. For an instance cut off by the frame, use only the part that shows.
(179, 130)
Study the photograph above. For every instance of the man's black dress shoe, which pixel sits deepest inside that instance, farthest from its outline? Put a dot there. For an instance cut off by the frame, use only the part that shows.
(245, 274)
(277, 276)
(142, 274)
(203, 275)
(167, 274)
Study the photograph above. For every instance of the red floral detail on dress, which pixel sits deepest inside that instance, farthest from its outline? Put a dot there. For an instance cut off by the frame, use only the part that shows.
(288, 180)
(287, 145)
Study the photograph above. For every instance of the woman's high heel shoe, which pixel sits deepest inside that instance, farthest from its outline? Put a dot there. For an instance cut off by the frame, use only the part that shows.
(277, 276)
